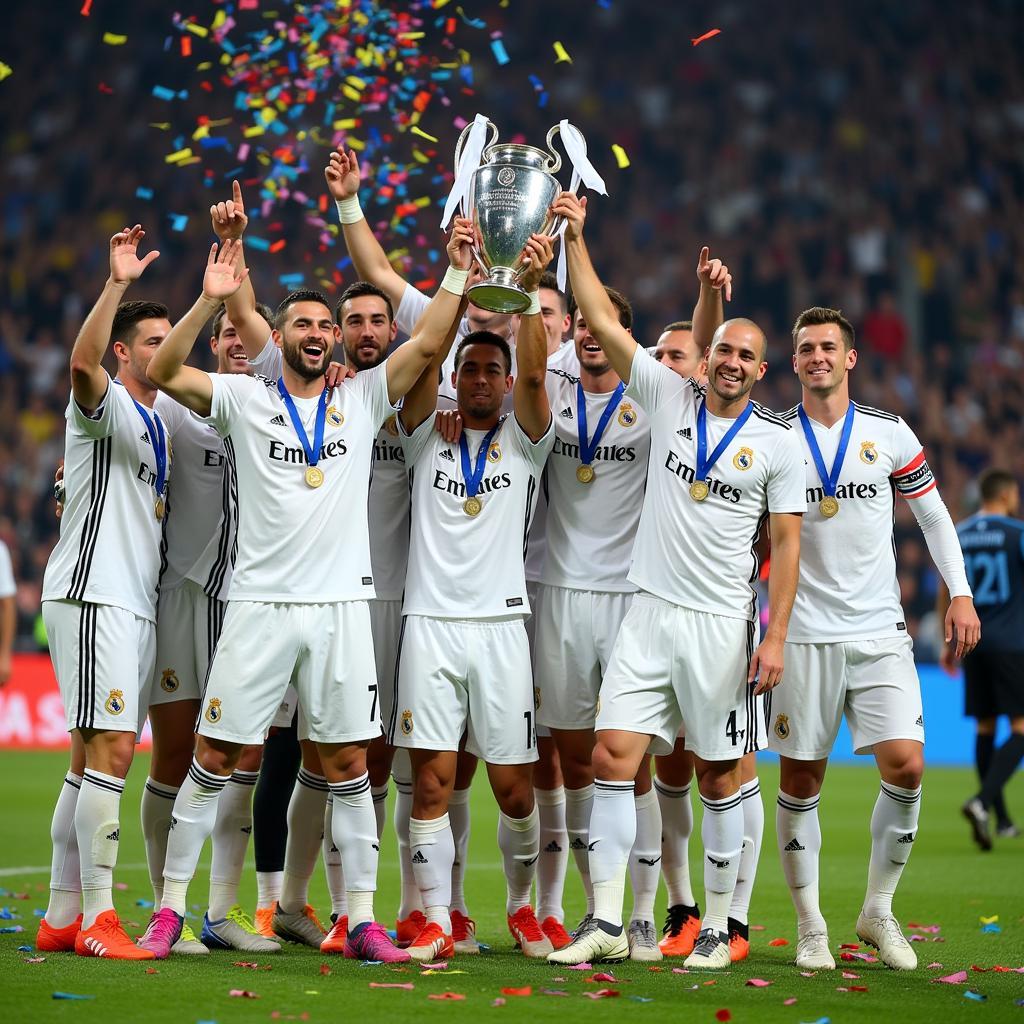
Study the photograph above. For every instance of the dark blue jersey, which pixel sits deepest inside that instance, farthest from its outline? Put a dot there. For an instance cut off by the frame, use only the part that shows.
(993, 549)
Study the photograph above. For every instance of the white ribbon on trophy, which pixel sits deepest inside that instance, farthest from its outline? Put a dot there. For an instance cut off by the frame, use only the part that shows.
(582, 171)
(469, 161)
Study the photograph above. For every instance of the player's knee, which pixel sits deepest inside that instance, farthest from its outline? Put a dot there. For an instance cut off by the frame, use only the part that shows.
(251, 759)
(515, 798)
(378, 762)
(906, 771)
(217, 757)
(110, 752)
(612, 765)
(717, 780)
(799, 779)
(431, 792)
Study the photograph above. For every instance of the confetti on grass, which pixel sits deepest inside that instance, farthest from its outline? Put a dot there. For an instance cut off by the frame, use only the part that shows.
(710, 34)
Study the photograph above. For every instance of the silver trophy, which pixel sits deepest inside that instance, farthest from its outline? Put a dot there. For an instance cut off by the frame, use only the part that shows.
(509, 199)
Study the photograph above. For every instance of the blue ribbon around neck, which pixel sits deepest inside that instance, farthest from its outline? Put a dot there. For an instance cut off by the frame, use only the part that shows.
(829, 479)
(312, 453)
(588, 448)
(705, 464)
(473, 473)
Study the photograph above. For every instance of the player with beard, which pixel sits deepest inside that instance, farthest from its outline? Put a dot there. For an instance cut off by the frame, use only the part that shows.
(685, 654)
(301, 454)
(99, 599)
(463, 620)
(371, 263)
(848, 651)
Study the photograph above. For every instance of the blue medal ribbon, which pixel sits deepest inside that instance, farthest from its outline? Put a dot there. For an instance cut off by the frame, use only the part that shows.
(157, 438)
(312, 453)
(705, 464)
(829, 480)
(474, 474)
(588, 448)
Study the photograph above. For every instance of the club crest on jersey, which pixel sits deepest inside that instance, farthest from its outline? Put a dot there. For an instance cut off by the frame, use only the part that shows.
(627, 415)
(391, 426)
(743, 459)
(115, 702)
(407, 722)
(213, 711)
(868, 453)
(334, 417)
(168, 681)
(494, 452)
(781, 727)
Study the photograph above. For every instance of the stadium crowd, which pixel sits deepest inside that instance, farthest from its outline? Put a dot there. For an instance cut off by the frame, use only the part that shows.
(826, 161)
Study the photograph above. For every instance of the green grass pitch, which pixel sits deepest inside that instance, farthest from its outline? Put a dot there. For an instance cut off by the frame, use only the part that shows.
(947, 883)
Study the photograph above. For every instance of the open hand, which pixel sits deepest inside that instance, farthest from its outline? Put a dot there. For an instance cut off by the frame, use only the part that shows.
(223, 277)
(125, 265)
(342, 174)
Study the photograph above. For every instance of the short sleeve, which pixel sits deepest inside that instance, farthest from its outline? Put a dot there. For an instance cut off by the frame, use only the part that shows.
(650, 383)
(415, 444)
(787, 481)
(372, 388)
(269, 362)
(535, 452)
(230, 394)
(7, 584)
(912, 476)
(410, 309)
(101, 422)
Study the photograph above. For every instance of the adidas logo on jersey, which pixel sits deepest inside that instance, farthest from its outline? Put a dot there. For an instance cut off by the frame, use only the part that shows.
(418, 858)
(277, 421)
(144, 436)
(447, 454)
(920, 720)
(553, 847)
(567, 412)
(793, 846)
(649, 861)
(908, 838)
(685, 432)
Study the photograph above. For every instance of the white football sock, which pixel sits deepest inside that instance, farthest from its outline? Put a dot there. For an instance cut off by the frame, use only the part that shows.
(645, 856)
(893, 831)
(305, 831)
(65, 871)
(722, 834)
(798, 834)
(612, 834)
(155, 811)
(231, 833)
(192, 820)
(753, 831)
(268, 888)
(379, 795)
(458, 815)
(333, 868)
(98, 828)
(355, 834)
(433, 854)
(676, 829)
(554, 853)
(410, 899)
(579, 805)
(519, 842)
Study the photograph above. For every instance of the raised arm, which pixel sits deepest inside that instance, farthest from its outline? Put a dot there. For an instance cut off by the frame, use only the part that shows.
(229, 222)
(368, 256)
(167, 369)
(709, 313)
(529, 394)
(88, 378)
(596, 308)
(783, 574)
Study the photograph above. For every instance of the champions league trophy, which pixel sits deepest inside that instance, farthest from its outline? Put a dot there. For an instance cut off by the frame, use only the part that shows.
(507, 192)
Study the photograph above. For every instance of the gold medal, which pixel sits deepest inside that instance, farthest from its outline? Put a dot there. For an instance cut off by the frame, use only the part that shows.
(699, 490)
(159, 508)
(829, 506)
(314, 476)
(472, 506)
(584, 474)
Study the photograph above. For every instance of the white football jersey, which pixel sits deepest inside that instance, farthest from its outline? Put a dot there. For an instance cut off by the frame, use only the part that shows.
(298, 543)
(848, 588)
(201, 509)
(471, 567)
(389, 495)
(109, 551)
(8, 588)
(700, 554)
(592, 526)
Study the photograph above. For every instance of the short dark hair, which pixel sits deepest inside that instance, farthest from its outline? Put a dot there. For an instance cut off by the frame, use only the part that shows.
(550, 280)
(356, 290)
(299, 295)
(818, 315)
(221, 315)
(484, 338)
(619, 301)
(993, 483)
(129, 314)
(678, 325)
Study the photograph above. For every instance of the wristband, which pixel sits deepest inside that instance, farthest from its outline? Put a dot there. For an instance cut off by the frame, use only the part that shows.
(454, 281)
(349, 210)
(534, 306)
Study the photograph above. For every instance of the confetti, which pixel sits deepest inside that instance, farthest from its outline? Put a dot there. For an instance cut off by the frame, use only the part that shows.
(757, 983)
(113, 39)
(581, 967)
(723, 1015)
(24, 949)
(86, 8)
(35, 960)
(850, 976)
(527, 991)
(779, 942)
(934, 966)
(440, 965)
(386, 984)
(416, 130)
(561, 54)
(952, 979)
(988, 920)
(70, 995)
(789, 1002)
(976, 996)
(601, 976)
(602, 993)
(499, 51)
(446, 995)
(707, 35)
(325, 969)
(242, 993)
(11, 930)
(498, 1002)
(620, 156)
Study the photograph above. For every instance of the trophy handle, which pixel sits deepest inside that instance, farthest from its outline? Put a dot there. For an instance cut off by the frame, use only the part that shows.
(493, 128)
(555, 163)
